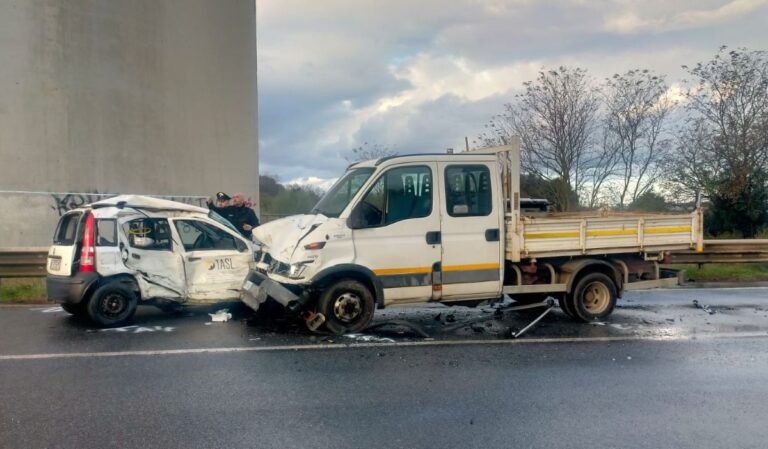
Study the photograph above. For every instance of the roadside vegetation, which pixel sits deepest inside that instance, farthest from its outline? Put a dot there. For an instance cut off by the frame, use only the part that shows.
(742, 272)
(22, 291)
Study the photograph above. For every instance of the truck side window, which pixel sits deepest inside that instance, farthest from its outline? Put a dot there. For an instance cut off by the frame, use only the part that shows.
(148, 233)
(468, 190)
(199, 236)
(399, 194)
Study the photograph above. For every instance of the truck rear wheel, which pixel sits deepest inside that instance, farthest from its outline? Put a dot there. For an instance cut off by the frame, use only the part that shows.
(593, 298)
(347, 306)
(112, 305)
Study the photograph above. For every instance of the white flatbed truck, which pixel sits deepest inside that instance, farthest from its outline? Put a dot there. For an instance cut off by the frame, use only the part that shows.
(448, 228)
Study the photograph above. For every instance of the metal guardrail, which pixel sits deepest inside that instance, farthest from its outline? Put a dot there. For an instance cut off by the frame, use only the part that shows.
(23, 262)
(725, 251)
(31, 262)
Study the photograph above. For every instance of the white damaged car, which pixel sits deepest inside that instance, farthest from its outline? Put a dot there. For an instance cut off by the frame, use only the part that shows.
(110, 256)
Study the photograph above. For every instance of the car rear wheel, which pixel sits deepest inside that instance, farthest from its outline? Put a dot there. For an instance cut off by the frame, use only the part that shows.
(112, 305)
(347, 306)
(74, 309)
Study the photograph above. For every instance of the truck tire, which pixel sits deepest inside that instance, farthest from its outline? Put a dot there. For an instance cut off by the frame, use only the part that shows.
(566, 304)
(111, 304)
(347, 306)
(593, 298)
(74, 309)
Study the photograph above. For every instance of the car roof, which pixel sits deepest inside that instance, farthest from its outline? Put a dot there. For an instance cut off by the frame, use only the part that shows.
(147, 203)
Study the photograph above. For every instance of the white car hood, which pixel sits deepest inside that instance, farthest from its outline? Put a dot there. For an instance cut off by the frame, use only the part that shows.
(280, 237)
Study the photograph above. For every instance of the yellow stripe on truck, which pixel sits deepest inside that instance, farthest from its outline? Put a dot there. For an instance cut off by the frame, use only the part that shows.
(479, 266)
(605, 232)
(417, 270)
(412, 270)
(667, 230)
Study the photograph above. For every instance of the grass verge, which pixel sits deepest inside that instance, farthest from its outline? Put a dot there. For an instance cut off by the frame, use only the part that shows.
(22, 291)
(736, 272)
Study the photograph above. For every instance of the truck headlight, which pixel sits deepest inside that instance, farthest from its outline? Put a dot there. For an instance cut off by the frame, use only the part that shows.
(297, 270)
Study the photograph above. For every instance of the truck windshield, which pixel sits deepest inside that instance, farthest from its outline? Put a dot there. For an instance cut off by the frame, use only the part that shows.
(337, 198)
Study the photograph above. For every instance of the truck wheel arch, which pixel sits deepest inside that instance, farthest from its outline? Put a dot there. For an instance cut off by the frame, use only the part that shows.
(574, 270)
(351, 271)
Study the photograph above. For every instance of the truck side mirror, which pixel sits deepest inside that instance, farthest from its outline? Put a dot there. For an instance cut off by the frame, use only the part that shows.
(355, 220)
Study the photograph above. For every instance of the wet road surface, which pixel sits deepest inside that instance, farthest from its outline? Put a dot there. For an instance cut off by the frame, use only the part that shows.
(661, 373)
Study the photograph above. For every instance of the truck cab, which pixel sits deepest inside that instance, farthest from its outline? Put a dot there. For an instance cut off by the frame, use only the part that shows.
(396, 230)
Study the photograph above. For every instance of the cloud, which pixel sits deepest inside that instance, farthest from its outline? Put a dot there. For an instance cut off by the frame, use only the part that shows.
(420, 76)
(631, 20)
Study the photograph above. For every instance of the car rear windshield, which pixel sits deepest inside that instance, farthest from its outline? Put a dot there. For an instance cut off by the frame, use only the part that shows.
(66, 231)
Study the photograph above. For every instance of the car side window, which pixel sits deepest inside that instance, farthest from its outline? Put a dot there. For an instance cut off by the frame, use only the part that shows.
(106, 232)
(468, 190)
(148, 233)
(196, 235)
(399, 194)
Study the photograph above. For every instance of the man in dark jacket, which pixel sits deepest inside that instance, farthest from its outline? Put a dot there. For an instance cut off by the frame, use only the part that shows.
(243, 217)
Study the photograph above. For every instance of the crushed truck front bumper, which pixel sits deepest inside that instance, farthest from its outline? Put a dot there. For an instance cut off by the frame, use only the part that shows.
(258, 287)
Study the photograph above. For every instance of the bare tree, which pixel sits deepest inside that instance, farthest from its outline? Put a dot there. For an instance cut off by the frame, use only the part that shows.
(636, 107)
(366, 152)
(555, 118)
(728, 103)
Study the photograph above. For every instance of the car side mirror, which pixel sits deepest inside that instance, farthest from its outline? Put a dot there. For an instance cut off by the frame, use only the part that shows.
(355, 220)
(241, 246)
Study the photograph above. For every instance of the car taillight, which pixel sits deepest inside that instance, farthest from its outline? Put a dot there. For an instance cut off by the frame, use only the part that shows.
(88, 250)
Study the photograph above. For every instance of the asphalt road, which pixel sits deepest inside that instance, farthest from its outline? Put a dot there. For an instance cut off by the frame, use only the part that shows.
(662, 373)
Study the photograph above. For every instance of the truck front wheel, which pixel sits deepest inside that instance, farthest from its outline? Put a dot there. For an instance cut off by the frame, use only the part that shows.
(347, 306)
(593, 298)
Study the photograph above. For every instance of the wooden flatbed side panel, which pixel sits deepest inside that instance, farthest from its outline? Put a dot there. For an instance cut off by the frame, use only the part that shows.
(609, 234)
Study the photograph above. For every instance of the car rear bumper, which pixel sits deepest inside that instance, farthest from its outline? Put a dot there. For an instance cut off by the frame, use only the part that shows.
(69, 289)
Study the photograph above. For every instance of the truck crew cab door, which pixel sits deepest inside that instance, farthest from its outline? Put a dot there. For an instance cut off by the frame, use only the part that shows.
(216, 262)
(472, 220)
(396, 228)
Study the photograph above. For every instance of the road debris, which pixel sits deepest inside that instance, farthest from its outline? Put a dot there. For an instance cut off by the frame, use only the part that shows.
(369, 338)
(401, 323)
(221, 316)
(703, 307)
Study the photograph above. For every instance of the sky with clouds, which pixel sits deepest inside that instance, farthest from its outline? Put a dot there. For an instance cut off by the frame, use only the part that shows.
(419, 76)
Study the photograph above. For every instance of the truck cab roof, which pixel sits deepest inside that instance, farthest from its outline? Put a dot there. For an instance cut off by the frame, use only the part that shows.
(426, 157)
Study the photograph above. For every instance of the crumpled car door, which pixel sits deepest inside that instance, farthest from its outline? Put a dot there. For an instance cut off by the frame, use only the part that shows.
(216, 262)
(147, 249)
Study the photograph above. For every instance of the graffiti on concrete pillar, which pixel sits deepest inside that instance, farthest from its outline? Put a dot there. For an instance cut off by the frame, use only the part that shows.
(65, 202)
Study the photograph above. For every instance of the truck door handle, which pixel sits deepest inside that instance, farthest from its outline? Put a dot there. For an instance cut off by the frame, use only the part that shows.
(193, 259)
(492, 235)
(135, 256)
(433, 237)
